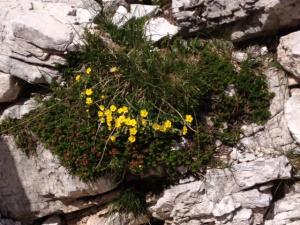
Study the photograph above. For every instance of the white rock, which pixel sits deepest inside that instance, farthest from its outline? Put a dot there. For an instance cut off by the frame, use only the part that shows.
(53, 220)
(157, 28)
(117, 218)
(39, 186)
(239, 56)
(9, 88)
(244, 19)
(288, 53)
(122, 15)
(34, 35)
(19, 109)
(292, 115)
(287, 210)
(225, 196)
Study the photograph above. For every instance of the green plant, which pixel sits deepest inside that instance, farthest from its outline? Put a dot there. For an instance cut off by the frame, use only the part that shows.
(178, 86)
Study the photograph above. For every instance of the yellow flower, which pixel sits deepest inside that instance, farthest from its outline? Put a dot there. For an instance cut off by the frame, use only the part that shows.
(118, 123)
(88, 70)
(188, 118)
(167, 124)
(102, 107)
(113, 138)
(88, 101)
(89, 91)
(144, 113)
(163, 129)
(156, 126)
(120, 110)
(78, 77)
(107, 112)
(132, 122)
(144, 122)
(125, 109)
(109, 118)
(103, 97)
(122, 119)
(113, 108)
(114, 69)
(131, 139)
(102, 120)
(100, 114)
(133, 131)
(184, 130)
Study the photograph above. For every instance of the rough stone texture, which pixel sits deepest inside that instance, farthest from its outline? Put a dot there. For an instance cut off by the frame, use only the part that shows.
(288, 53)
(122, 15)
(287, 210)
(9, 88)
(34, 35)
(18, 109)
(274, 137)
(39, 186)
(53, 220)
(292, 115)
(105, 218)
(4, 221)
(157, 28)
(229, 196)
(246, 18)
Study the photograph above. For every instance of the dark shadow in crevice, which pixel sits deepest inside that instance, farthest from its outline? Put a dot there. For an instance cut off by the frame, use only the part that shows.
(14, 203)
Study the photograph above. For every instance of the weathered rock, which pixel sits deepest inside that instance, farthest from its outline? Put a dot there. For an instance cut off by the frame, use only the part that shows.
(239, 56)
(19, 109)
(123, 15)
(287, 210)
(226, 196)
(288, 53)
(53, 220)
(34, 35)
(157, 28)
(9, 88)
(292, 115)
(40, 186)
(106, 218)
(244, 19)
(4, 221)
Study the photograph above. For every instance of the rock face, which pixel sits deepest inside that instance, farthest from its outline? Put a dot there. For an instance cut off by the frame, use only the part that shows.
(19, 109)
(9, 88)
(39, 186)
(244, 18)
(157, 28)
(122, 15)
(288, 53)
(287, 210)
(34, 36)
(292, 115)
(227, 196)
(274, 137)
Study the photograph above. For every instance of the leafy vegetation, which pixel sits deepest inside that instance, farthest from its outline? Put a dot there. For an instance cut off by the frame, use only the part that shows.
(144, 107)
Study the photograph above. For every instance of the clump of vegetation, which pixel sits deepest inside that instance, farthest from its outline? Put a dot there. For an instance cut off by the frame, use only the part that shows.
(143, 107)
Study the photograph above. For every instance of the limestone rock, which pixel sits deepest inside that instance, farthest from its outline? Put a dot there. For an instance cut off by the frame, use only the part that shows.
(226, 196)
(9, 88)
(39, 186)
(287, 209)
(122, 15)
(244, 19)
(292, 115)
(116, 219)
(158, 28)
(288, 53)
(34, 35)
(239, 56)
(19, 109)
(53, 220)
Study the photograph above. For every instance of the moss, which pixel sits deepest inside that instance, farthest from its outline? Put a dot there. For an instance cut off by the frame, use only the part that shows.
(178, 78)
